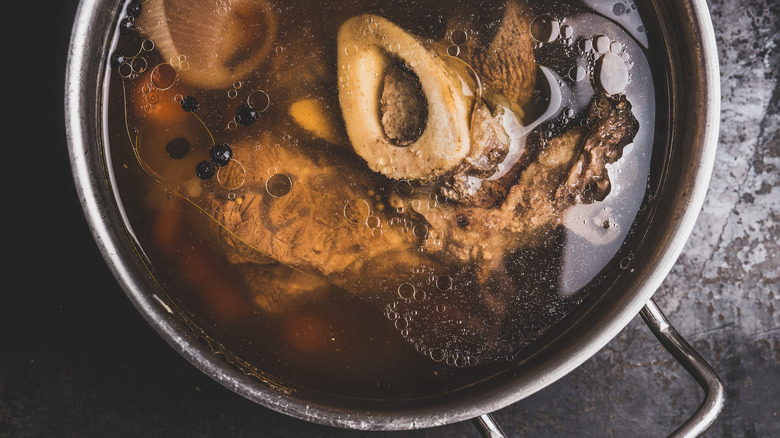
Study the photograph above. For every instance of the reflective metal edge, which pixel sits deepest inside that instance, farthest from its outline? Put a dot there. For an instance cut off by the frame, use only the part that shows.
(83, 124)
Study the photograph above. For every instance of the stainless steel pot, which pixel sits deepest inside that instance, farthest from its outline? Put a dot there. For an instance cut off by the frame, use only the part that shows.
(695, 105)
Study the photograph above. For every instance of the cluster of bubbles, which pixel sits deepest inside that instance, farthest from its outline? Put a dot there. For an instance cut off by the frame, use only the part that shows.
(442, 355)
(223, 7)
(622, 8)
(410, 297)
(625, 262)
(457, 39)
(257, 101)
(130, 66)
(597, 59)
(613, 74)
(162, 77)
(358, 211)
(180, 62)
(546, 29)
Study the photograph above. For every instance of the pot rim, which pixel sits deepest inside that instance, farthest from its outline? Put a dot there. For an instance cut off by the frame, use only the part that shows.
(81, 95)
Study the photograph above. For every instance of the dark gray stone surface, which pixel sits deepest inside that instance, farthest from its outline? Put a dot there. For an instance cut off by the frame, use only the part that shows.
(77, 360)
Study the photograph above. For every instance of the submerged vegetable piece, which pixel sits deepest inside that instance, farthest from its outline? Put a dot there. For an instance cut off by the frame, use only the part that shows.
(284, 290)
(313, 116)
(212, 46)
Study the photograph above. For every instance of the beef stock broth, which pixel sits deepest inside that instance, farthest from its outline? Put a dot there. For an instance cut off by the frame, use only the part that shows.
(379, 199)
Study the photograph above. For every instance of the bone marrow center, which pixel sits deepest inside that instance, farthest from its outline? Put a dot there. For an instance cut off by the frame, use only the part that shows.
(403, 108)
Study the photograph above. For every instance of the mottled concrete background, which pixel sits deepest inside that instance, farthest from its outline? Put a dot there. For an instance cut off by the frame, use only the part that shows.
(76, 359)
(722, 294)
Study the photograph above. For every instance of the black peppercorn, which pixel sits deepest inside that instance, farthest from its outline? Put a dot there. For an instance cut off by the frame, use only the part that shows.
(246, 115)
(126, 24)
(179, 147)
(133, 9)
(189, 104)
(221, 154)
(205, 170)
(117, 59)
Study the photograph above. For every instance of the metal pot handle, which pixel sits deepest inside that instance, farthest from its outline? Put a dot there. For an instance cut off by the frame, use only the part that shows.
(696, 366)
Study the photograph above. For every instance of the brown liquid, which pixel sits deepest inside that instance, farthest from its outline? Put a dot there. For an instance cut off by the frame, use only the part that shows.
(343, 344)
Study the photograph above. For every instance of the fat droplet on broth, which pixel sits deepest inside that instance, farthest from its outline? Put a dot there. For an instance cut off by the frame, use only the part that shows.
(373, 222)
(401, 323)
(458, 37)
(601, 44)
(420, 230)
(258, 100)
(613, 74)
(406, 291)
(444, 283)
(357, 211)
(351, 50)
(278, 185)
(232, 176)
(163, 76)
(577, 73)
(153, 98)
(138, 64)
(125, 70)
(545, 29)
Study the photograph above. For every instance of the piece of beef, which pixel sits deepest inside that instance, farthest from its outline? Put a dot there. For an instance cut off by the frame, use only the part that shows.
(522, 207)
(614, 128)
(506, 63)
(316, 227)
